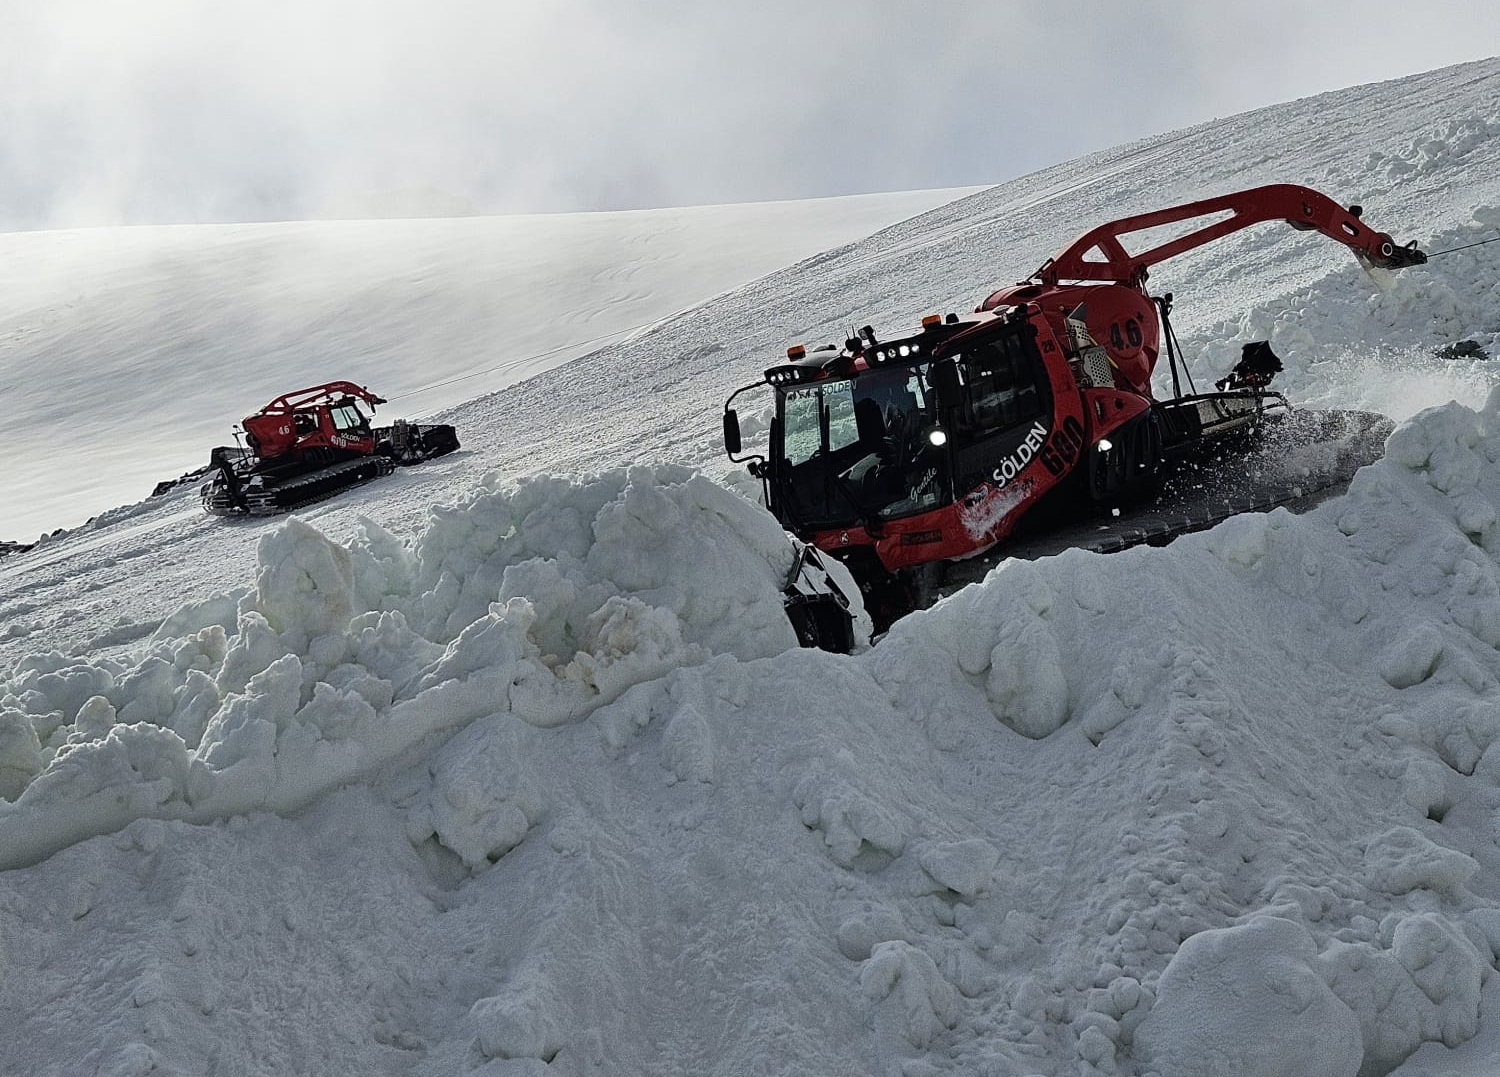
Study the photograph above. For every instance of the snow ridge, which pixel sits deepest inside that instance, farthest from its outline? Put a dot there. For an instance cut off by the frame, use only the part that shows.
(536, 781)
(1300, 771)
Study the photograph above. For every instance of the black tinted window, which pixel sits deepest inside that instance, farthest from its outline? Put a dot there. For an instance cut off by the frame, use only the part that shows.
(1002, 386)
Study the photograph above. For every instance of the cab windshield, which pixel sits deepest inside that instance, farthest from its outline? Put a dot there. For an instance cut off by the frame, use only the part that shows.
(860, 449)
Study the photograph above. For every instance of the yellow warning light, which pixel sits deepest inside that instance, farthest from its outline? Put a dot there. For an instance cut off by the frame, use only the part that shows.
(929, 320)
(796, 351)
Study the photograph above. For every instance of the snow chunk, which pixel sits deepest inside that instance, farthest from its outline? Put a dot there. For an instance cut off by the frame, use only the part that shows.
(1402, 860)
(1413, 659)
(482, 798)
(1003, 631)
(859, 933)
(521, 1023)
(1424, 988)
(56, 682)
(965, 867)
(1248, 1001)
(1442, 448)
(856, 829)
(239, 746)
(688, 746)
(95, 787)
(219, 609)
(20, 753)
(305, 582)
(919, 1001)
(1026, 683)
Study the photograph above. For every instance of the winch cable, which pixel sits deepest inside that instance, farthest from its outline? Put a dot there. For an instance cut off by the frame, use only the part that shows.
(1466, 246)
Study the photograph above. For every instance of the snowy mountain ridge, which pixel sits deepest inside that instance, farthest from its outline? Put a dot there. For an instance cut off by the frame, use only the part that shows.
(533, 780)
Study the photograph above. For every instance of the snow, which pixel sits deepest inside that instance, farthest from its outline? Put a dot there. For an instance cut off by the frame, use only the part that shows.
(509, 763)
(1247, 1000)
(217, 320)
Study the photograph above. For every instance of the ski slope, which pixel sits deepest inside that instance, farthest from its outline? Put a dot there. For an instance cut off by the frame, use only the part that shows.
(507, 764)
(201, 325)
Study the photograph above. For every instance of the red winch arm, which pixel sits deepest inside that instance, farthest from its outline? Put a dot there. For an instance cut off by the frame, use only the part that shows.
(1301, 207)
(327, 392)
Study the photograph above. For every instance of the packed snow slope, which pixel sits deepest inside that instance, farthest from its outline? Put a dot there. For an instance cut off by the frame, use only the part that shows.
(198, 326)
(508, 764)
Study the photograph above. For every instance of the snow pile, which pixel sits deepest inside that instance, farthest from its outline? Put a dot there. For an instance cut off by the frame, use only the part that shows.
(545, 601)
(1264, 694)
(544, 787)
(1216, 808)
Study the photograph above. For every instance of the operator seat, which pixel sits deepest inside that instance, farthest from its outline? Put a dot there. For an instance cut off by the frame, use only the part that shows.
(870, 422)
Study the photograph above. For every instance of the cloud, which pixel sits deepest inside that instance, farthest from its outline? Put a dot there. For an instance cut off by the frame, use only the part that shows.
(175, 110)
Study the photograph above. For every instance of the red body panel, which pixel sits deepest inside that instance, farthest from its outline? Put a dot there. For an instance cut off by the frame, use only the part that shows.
(1122, 320)
(297, 424)
(986, 514)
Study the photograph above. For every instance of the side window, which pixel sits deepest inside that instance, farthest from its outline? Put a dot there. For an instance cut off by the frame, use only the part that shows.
(889, 403)
(347, 418)
(1002, 389)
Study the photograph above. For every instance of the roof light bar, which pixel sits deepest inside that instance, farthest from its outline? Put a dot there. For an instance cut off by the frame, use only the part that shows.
(892, 352)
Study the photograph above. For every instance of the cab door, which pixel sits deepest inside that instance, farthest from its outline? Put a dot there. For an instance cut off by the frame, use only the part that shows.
(1004, 405)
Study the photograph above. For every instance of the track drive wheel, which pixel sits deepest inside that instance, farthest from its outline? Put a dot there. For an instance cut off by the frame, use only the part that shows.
(1131, 469)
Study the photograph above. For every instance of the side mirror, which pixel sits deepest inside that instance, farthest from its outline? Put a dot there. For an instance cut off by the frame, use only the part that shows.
(731, 432)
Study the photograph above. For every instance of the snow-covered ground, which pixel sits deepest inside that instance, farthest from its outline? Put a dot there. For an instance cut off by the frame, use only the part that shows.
(531, 780)
(197, 326)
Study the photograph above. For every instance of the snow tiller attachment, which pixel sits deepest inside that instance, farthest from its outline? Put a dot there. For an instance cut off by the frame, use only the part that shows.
(820, 611)
(310, 444)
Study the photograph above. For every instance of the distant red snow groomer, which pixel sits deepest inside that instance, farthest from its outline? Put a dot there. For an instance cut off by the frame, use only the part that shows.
(305, 445)
(896, 454)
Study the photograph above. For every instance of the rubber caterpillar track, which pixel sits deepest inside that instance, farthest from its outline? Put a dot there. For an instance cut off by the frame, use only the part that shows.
(309, 488)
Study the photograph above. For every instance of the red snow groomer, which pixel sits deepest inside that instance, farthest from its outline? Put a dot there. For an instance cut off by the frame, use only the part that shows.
(304, 446)
(905, 456)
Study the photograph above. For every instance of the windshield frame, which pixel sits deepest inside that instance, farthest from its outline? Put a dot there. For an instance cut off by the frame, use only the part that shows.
(860, 450)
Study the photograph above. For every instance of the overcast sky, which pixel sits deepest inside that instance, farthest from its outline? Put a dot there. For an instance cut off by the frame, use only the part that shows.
(219, 110)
